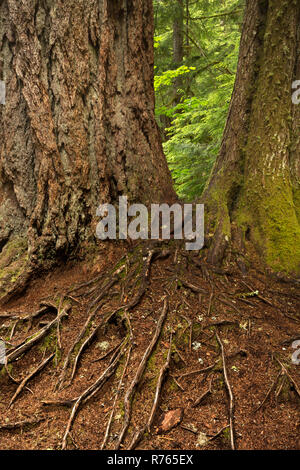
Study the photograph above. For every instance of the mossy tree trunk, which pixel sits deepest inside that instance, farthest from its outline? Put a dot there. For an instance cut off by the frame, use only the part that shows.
(253, 196)
(78, 127)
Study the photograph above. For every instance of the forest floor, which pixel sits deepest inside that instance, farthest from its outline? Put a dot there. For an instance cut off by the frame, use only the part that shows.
(164, 352)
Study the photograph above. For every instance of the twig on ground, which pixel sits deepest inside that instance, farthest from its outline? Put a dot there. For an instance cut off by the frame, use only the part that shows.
(273, 385)
(187, 428)
(178, 384)
(179, 354)
(112, 350)
(231, 398)
(192, 287)
(263, 299)
(203, 396)
(13, 330)
(218, 433)
(291, 379)
(210, 303)
(197, 371)
(229, 303)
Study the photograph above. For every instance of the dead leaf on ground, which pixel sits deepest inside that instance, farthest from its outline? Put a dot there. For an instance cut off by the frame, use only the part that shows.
(170, 420)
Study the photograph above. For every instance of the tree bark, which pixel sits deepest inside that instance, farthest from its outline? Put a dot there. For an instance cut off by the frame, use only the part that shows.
(253, 196)
(78, 127)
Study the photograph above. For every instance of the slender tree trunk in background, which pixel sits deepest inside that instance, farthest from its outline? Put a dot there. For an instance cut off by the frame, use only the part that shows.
(178, 53)
(178, 25)
(78, 127)
(187, 27)
(253, 196)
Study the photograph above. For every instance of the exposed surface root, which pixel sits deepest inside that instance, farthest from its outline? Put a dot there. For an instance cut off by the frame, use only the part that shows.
(139, 434)
(21, 424)
(28, 343)
(138, 376)
(88, 394)
(106, 436)
(28, 377)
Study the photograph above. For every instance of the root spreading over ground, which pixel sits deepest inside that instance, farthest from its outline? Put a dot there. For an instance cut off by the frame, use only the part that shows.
(158, 350)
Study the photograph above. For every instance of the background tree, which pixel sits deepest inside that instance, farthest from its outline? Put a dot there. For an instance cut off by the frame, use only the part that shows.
(253, 196)
(178, 53)
(193, 123)
(78, 128)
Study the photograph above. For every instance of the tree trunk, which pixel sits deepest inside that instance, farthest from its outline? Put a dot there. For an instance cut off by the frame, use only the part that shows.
(253, 196)
(78, 127)
(178, 25)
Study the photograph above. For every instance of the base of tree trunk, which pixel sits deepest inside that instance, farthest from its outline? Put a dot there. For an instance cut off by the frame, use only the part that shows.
(15, 269)
(254, 192)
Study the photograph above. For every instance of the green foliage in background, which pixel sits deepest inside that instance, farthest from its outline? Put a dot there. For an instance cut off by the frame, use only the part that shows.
(192, 116)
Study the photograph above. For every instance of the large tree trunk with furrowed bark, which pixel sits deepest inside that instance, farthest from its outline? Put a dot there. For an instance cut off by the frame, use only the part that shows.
(78, 127)
(253, 196)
